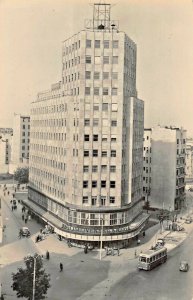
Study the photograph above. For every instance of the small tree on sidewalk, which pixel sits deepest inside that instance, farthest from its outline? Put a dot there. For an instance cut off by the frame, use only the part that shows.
(22, 175)
(24, 283)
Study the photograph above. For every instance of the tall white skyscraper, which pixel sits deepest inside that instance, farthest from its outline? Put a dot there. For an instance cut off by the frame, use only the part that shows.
(86, 150)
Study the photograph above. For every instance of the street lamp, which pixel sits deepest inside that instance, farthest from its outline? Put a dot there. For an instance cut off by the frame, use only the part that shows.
(101, 244)
(34, 276)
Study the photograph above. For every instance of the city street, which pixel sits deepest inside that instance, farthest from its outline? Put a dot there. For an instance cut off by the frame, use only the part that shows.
(85, 276)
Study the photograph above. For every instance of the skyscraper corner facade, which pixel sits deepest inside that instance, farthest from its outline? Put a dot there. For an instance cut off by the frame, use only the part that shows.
(86, 147)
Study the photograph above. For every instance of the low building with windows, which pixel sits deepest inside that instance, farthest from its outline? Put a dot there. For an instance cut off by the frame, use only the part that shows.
(86, 147)
(164, 167)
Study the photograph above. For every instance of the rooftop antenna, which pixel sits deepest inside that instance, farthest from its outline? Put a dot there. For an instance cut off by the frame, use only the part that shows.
(101, 18)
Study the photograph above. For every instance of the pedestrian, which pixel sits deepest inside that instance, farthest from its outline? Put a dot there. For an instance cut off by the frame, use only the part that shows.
(61, 267)
(25, 220)
(8, 193)
(86, 249)
(47, 255)
(12, 207)
(118, 251)
(23, 217)
(144, 234)
(135, 253)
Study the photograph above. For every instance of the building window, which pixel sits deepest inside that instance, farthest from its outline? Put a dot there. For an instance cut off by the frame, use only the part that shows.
(113, 139)
(85, 169)
(85, 184)
(105, 91)
(115, 44)
(95, 137)
(114, 107)
(88, 43)
(114, 91)
(94, 184)
(105, 75)
(112, 184)
(104, 153)
(103, 200)
(95, 107)
(105, 106)
(94, 201)
(115, 59)
(112, 200)
(103, 183)
(112, 169)
(86, 122)
(86, 152)
(97, 43)
(87, 90)
(106, 44)
(114, 75)
(23, 126)
(23, 134)
(114, 123)
(104, 138)
(113, 153)
(88, 59)
(106, 59)
(94, 169)
(23, 147)
(95, 153)
(85, 199)
(97, 60)
(95, 122)
(104, 168)
(96, 75)
(88, 75)
(96, 91)
(86, 137)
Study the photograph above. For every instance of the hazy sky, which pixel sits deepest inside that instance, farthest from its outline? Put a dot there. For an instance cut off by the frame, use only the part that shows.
(31, 32)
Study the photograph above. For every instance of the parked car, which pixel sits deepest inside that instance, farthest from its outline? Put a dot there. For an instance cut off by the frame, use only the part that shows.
(25, 231)
(184, 267)
(160, 242)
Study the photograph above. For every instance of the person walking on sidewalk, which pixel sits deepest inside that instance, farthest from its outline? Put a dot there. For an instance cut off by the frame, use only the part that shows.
(61, 267)
(47, 255)
(135, 253)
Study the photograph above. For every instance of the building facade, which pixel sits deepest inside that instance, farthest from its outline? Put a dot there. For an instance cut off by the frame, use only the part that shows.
(6, 135)
(189, 159)
(21, 138)
(164, 177)
(86, 148)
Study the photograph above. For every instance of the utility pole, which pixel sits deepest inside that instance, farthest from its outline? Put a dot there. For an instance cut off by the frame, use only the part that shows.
(101, 244)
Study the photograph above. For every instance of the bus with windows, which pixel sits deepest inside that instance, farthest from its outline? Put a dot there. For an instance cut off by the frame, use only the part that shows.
(152, 258)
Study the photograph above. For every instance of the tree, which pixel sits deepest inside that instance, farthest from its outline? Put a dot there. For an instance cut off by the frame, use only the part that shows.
(22, 175)
(23, 280)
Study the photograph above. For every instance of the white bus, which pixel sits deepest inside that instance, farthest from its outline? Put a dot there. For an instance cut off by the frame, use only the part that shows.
(152, 258)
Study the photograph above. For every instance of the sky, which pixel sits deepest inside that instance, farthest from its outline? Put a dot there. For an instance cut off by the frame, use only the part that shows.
(31, 35)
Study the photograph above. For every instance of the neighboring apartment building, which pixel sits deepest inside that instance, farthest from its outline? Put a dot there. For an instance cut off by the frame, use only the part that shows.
(189, 159)
(86, 148)
(164, 181)
(20, 141)
(5, 149)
